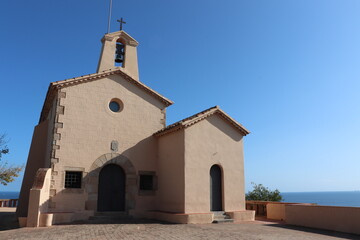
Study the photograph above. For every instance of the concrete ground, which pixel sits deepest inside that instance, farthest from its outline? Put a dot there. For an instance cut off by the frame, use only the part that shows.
(144, 229)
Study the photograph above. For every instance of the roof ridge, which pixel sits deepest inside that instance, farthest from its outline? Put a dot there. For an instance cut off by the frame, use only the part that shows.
(199, 114)
(112, 70)
(189, 121)
(92, 77)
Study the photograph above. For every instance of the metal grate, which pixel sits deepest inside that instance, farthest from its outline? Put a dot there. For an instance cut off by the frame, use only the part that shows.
(73, 179)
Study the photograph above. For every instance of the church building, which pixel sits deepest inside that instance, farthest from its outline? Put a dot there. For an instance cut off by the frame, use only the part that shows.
(102, 146)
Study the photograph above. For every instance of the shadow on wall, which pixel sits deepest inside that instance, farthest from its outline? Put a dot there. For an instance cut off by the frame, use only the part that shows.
(74, 204)
(137, 91)
(143, 150)
(225, 128)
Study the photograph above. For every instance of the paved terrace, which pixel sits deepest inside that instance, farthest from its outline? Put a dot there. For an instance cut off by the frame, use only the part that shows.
(144, 229)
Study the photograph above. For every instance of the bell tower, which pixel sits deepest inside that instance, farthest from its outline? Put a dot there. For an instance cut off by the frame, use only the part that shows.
(119, 50)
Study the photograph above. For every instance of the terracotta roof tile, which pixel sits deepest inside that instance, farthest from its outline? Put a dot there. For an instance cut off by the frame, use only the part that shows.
(96, 76)
(54, 86)
(199, 117)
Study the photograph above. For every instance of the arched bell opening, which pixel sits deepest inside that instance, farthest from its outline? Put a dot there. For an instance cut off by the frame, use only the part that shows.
(120, 53)
(216, 188)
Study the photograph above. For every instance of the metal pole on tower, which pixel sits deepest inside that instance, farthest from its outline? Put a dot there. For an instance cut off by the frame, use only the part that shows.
(110, 8)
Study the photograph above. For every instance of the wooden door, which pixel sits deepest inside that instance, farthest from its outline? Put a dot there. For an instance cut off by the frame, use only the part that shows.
(215, 189)
(111, 191)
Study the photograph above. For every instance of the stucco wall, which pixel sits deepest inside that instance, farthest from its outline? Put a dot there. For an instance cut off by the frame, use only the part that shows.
(342, 219)
(276, 211)
(39, 197)
(171, 172)
(213, 141)
(89, 127)
(36, 160)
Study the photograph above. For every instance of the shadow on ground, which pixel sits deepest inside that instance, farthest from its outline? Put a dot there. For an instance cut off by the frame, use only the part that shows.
(118, 221)
(316, 231)
(8, 221)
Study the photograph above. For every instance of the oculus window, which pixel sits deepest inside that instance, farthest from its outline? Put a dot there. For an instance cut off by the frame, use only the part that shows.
(115, 105)
(73, 179)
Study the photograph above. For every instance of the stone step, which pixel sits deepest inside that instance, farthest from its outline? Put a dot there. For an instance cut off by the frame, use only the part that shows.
(110, 216)
(216, 213)
(223, 221)
(221, 217)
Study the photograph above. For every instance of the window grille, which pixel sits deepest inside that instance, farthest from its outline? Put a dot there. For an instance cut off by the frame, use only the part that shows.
(73, 179)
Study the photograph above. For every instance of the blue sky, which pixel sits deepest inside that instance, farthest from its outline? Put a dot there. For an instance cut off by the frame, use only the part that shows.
(287, 70)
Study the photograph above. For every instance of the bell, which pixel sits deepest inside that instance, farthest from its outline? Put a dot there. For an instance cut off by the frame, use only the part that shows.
(119, 58)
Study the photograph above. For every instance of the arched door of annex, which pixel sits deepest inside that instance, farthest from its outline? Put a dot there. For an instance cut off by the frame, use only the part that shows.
(111, 172)
(215, 188)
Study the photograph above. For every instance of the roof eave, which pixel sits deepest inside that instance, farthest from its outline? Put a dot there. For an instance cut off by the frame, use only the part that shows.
(95, 76)
(54, 86)
(192, 120)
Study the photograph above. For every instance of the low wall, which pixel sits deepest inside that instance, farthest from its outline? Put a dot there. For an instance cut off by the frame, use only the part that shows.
(270, 210)
(39, 197)
(341, 219)
(258, 206)
(276, 211)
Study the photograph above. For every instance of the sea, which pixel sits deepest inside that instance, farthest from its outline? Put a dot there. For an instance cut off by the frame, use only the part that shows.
(9, 195)
(336, 198)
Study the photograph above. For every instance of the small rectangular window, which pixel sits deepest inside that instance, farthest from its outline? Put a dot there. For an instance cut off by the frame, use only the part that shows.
(73, 179)
(146, 182)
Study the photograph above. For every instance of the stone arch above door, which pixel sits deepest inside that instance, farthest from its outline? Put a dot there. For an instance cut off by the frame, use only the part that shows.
(92, 181)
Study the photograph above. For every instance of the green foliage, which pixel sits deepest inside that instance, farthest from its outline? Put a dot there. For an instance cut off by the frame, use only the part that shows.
(262, 193)
(7, 173)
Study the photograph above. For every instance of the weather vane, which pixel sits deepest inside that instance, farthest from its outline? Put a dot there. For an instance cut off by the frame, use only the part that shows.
(121, 23)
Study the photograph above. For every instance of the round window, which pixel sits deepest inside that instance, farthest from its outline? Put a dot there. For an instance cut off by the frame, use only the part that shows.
(115, 105)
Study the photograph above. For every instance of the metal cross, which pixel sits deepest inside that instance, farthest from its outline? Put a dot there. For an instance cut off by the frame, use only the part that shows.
(121, 23)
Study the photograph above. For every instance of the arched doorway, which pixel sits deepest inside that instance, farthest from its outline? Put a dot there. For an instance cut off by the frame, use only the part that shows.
(111, 192)
(215, 188)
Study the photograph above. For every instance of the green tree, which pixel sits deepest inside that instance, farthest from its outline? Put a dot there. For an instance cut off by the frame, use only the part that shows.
(262, 193)
(7, 173)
